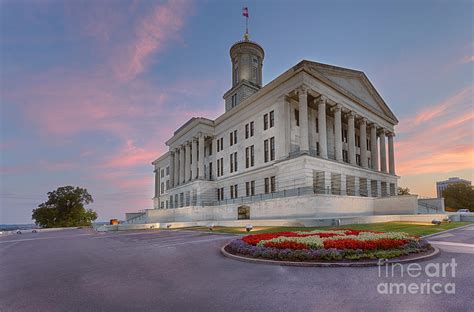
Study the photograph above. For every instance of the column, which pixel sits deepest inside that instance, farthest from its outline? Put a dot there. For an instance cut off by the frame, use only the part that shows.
(194, 150)
(214, 152)
(383, 152)
(282, 143)
(176, 167)
(303, 111)
(181, 164)
(157, 182)
(201, 157)
(187, 167)
(172, 169)
(391, 156)
(323, 141)
(338, 132)
(363, 142)
(351, 138)
(374, 147)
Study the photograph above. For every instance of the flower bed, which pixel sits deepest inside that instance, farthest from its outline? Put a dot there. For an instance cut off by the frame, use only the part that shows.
(321, 245)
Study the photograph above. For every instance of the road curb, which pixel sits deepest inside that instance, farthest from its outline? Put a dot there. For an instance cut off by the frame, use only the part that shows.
(434, 253)
(447, 231)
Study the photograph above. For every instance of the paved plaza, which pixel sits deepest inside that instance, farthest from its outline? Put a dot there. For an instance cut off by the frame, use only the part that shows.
(82, 270)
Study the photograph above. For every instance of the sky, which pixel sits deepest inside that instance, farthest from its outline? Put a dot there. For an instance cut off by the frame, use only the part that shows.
(91, 90)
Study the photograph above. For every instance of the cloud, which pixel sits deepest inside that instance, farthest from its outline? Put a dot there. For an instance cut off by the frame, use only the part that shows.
(153, 33)
(439, 138)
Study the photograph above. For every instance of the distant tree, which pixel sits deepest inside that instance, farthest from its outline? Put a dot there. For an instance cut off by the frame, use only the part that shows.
(459, 196)
(403, 191)
(65, 207)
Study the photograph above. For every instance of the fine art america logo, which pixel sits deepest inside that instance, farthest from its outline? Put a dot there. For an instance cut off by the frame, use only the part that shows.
(416, 279)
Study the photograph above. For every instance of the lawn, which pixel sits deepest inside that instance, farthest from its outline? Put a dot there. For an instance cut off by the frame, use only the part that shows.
(413, 228)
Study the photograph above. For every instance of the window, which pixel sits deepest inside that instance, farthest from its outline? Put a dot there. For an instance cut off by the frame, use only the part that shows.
(233, 137)
(369, 162)
(265, 122)
(254, 69)
(210, 148)
(297, 117)
(252, 188)
(234, 100)
(358, 159)
(162, 205)
(167, 184)
(168, 170)
(233, 162)
(162, 172)
(252, 156)
(166, 204)
(344, 135)
(317, 125)
(251, 128)
(220, 194)
(357, 140)
(272, 148)
(210, 170)
(265, 151)
(247, 189)
(222, 166)
(267, 185)
(272, 184)
(345, 156)
(220, 144)
(369, 147)
(317, 148)
(234, 191)
(272, 119)
(162, 187)
(247, 131)
(236, 71)
(249, 156)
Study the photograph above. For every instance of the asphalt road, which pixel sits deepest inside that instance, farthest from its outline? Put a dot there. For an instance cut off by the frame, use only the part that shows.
(80, 270)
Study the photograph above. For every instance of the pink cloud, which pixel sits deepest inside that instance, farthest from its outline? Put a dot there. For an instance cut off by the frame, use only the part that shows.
(153, 33)
(438, 139)
(432, 112)
(130, 155)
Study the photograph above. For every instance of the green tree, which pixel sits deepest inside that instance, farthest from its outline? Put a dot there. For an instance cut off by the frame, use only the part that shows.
(65, 207)
(403, 191)
(459, 196)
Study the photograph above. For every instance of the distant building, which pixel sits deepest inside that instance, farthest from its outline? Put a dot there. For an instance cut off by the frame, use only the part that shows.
(442, 185)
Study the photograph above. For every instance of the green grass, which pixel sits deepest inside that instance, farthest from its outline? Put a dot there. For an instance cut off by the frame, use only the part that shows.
(412, 228)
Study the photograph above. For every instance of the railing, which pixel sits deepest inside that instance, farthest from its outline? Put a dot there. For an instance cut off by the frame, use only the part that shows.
(428, 206)
(136, 217)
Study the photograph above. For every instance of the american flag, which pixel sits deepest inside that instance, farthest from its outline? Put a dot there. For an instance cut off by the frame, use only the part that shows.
(245, 12)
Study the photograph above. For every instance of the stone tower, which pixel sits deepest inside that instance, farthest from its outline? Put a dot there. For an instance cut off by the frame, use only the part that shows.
(247, 62)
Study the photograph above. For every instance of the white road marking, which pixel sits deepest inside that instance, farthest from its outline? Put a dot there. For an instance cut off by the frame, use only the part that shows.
(130, 234)
(191, 242)
(451, 244)
(41, 238)
(444, 235)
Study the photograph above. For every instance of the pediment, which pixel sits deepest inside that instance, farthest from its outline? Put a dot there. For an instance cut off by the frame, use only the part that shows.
(355, 84)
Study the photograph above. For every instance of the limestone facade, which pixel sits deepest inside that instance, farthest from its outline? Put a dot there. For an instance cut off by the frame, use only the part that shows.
(315, 129)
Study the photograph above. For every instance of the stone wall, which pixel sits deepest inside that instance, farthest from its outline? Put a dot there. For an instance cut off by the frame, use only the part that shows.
(309, 206)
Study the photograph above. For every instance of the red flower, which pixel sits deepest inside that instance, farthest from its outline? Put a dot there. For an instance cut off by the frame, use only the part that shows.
(365, 245)
(287, 244)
